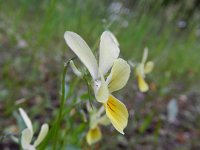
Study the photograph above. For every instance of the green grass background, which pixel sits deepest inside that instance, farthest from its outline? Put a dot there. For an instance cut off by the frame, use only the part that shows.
(30, 74)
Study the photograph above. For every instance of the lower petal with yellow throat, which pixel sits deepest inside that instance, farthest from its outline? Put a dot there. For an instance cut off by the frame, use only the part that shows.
(117, 113)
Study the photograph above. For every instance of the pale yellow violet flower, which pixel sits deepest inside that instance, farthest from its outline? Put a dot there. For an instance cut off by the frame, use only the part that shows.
(117, 79)
(142, 69)
(96, 118)
(27, 134)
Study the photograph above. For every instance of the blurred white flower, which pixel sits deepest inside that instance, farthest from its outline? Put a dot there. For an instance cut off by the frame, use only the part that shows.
(22, 43)
(142, 69)
(172, 110)
(118, 12)
(182, 24)
(27, 134)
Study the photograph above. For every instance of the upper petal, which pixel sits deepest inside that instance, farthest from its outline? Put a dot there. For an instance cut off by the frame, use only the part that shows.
(26, 119)
(119, 75)
(43, 132)
(82, 50)
(145, 55)
(26, 138)
(113, 38)
(93, 135)
(109, 51)
(117, 113)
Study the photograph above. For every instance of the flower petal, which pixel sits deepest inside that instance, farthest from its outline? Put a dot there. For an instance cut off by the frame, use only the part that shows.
(101, 90)
(93, 135)
(31, 147)
(43, 132)
(104, 120)
(145, 55)
(119, 75)
(140, 70)
(26, 138)
(26, 119)
(148, 67)
(109, 51)
(74, 69)
(117, 113)
(143, 86)
(82, 50)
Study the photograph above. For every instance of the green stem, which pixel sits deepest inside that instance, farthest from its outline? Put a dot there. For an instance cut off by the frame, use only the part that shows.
(88, 88)
(62, 102)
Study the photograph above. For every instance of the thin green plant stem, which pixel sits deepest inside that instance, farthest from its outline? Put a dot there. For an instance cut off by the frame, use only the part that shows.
(88, 88)
(62, 102)
(70, 106)
(54, 130)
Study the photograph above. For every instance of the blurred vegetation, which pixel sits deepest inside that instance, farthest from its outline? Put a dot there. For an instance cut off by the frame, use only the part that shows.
(33, 50)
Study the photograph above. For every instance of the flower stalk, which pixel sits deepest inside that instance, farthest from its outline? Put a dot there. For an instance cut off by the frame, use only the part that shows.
(62, 102)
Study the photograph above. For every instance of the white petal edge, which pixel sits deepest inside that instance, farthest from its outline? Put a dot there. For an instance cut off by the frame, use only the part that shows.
(26, 119)
(108, 51)
(82, 50)
(119, 75)
(114, 38)
(43, 132)
(26, 138)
